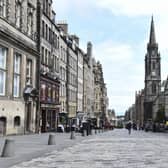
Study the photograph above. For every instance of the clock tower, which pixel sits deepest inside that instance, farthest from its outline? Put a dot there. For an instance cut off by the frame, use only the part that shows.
(152, 74)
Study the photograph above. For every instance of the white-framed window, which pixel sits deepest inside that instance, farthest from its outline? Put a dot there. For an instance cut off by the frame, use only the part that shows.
(16, 78)
(29, 72)
(18, 14)
(3, 8)
(3, 55)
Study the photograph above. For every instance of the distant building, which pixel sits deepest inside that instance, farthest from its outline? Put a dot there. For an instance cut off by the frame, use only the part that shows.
(139, 108)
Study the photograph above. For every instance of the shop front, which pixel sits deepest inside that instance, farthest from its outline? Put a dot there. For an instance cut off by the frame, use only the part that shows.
(49, 104)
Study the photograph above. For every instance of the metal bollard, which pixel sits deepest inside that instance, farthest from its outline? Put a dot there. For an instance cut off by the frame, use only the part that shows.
(72, 135)
(8, 149)
(51, 139)
(84, 133)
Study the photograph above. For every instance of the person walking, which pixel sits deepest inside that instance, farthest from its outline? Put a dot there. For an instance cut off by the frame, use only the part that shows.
(129, 125)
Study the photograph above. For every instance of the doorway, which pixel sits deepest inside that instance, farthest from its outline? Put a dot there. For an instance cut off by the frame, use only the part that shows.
(3, 123)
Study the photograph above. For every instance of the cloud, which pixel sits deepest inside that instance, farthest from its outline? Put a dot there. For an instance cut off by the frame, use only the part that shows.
(134, 7)
(123, 74)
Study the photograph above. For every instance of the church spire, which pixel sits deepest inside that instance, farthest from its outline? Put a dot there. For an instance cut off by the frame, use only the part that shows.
(152, 39)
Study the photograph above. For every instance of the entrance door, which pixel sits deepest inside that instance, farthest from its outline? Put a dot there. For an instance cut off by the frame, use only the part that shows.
(43, 128)
(3, 125)
(28, 122)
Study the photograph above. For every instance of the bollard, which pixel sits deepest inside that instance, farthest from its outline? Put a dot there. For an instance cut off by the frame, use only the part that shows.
(72, 135)
(95, 131)
(91, 132)
(51, 139)
(99, 130)
(8, 149)
(84, 133)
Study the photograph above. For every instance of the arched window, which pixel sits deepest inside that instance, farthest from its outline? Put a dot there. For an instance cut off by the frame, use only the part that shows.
(16, 121)
(154, 88)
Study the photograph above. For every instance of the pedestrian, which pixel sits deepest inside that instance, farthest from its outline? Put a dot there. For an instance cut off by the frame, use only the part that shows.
(128, 126)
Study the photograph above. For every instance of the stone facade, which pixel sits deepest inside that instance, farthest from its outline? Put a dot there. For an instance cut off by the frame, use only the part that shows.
(18, 52)
(100, 95)
(49, 68)
(45, 77)
(63, 80)
(88, 104)
(139, 108)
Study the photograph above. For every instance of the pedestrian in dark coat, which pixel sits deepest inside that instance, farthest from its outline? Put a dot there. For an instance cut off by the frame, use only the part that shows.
(128, 126)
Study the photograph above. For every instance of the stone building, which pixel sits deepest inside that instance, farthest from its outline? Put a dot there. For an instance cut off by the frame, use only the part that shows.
(80, 79)
(71, 78)
(18, 55)
(49, 67)
(152, 75)
(63, 79)
(139, 108)
(100, 95)
(88, 93)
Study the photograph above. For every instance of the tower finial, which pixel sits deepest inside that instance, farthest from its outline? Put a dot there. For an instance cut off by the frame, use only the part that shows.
(152, 39)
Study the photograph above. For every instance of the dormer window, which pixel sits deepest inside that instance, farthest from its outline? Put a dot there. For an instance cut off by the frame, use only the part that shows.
(30, 21)
(18, 13)
(3, 8)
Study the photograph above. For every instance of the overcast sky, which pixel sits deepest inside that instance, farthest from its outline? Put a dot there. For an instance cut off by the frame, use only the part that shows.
(119, 31)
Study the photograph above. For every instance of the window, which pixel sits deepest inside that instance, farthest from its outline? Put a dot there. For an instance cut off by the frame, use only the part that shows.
(47, 7)
(30, 21)
(53, 93)
(42, 55)
(18, 14)
(153, 65)
(44, 5)
(46, 31)
(29, 72)
(16, 82)
(43, 92)
(3, 8)
(154, 88)
(49, 59)
(43, 29)
(16, 121)
(3, 55)
(49, 93)
(57, 69)
(46, 57)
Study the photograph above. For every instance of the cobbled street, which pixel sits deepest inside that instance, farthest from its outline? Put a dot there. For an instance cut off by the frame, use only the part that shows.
(112, 149)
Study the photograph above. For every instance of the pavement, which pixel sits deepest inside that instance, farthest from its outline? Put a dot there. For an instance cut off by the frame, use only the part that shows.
(32, 146)
(112, 149)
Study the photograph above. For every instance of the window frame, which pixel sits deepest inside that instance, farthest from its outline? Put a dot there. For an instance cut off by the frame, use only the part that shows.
(4, 71)
(17, 75)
